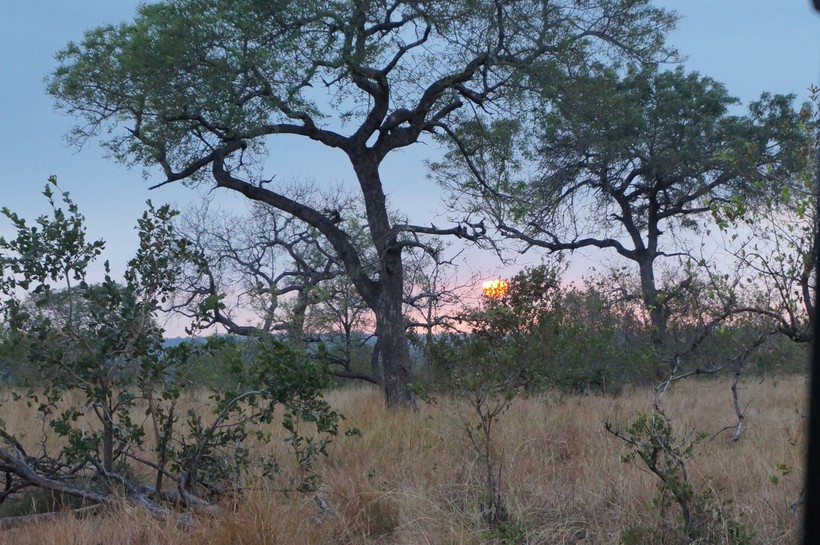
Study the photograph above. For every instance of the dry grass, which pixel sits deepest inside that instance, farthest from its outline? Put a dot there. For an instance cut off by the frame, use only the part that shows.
(413, 477)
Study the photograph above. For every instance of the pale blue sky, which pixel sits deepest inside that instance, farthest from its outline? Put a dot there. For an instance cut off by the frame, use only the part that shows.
(750, 45)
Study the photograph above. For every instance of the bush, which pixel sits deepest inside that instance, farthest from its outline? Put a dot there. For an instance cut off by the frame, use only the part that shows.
(97, 356)
(545, 335)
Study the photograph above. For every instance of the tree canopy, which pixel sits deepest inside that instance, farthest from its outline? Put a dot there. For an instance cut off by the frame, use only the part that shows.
(627, 162)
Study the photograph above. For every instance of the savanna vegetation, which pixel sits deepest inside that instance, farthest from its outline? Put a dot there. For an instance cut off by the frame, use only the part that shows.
(551, 413)
(338, 383)
(563, 477)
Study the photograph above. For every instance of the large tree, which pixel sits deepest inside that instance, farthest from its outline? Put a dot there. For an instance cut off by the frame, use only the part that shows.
(199, 87)
(627, 163)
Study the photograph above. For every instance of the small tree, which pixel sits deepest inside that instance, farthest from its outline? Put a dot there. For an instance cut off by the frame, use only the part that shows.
(666, 453)
(776, 249)
(491, 364)
(98, 355)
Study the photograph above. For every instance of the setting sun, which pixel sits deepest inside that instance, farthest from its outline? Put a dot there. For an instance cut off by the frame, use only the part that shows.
(494, 289)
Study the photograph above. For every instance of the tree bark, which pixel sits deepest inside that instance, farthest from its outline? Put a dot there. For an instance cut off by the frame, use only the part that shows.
(392, 341)
(108, 436)
(390, 328)
(652, 300)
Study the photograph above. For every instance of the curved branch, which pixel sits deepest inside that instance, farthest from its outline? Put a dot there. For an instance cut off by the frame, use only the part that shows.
(556, 245)
(346, 251)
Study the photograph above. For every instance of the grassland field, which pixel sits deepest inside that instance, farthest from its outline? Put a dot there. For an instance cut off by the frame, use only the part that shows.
(415, 478)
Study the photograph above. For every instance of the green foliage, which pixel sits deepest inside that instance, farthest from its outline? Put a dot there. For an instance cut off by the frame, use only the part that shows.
(543, 335)
(776, 246)
(190, 74)
(421, 392)
(625, 160)
(636, 535)
(94, 339)
(654, 443)
(782, 471)
(260, 374)
(509, 532)
(703, 515)
(97, 359)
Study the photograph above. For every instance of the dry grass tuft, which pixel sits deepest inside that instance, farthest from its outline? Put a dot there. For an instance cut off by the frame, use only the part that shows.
(412, 478)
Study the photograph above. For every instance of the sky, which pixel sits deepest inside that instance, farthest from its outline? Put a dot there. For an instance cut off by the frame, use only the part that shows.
(750, 45)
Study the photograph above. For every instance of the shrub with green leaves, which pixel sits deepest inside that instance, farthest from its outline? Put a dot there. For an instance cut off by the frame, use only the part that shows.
(101, 378)
(704, 517)
(543, 334)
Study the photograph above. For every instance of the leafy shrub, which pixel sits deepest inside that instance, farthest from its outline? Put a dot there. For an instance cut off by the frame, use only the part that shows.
(97, 357)
(704, 517)
(546, 335)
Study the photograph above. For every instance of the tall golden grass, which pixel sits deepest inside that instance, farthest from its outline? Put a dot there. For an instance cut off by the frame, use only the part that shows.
(414, 478)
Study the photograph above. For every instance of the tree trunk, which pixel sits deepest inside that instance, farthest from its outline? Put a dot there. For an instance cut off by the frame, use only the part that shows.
(296, 329)
(376, 365)
(387, 305)
(396, 363)
(652, 300)
(392, 336)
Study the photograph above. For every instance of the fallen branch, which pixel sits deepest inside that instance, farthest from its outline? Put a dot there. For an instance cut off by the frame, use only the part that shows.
(137, 497)
(14, 522)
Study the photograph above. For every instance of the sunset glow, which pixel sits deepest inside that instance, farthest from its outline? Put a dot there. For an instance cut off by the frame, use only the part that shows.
(493, 289)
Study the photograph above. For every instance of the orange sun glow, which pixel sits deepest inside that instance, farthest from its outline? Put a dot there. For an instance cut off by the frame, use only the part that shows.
(493, 289)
